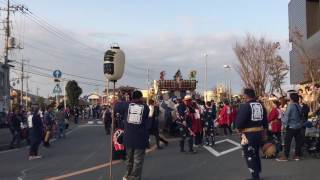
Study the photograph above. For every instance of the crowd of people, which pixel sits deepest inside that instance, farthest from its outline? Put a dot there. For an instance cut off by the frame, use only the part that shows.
(36, 126)
(197, 123)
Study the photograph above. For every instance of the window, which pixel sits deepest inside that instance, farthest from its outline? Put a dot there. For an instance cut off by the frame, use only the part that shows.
(313, 17)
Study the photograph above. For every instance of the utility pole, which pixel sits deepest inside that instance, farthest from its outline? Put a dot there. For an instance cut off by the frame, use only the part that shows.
(148, 81)
(9, 44)
(7, 34)
(22, 78)
(38, 91)
(206, 77)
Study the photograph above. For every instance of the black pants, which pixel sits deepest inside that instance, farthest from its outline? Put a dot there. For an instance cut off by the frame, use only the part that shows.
(135, 158)
(225, 128)
(198, 138)
(158, 137)
(15, 138)
(107, 127)
(290, 134)
(251, 153)
(190, 143)
(209, 135)
(34, 144)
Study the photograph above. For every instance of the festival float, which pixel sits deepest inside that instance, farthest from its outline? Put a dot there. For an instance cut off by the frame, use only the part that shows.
(177, 86)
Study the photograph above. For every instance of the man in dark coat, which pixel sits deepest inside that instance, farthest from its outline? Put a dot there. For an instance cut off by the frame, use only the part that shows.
(135, 135)
(15, 120)
(36, 134)
(252, 123)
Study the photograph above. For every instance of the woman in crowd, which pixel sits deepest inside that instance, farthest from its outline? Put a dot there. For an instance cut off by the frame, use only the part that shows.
(274, 119)
(225, 118)
(197, 124)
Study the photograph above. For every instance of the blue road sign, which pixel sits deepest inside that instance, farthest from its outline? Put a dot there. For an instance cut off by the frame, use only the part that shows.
(57, 74)
(57, 89)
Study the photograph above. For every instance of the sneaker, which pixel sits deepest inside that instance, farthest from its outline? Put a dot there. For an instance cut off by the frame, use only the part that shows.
(31, 158)
(37, 157)
(124, 178)
(282, 159)
(296, 158)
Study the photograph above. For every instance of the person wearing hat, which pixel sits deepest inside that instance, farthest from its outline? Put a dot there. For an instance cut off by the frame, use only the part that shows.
(185, 116)
(252, 123)
(136, 135)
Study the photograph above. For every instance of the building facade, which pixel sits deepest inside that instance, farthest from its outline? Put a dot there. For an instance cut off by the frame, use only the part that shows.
(304, 17)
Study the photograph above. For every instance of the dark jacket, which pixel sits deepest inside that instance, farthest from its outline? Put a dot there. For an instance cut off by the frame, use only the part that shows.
(136, 134)
(251, 114)
(214, 111)
(37, 127)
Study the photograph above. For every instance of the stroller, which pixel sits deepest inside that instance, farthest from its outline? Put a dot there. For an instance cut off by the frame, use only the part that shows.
(312, 137)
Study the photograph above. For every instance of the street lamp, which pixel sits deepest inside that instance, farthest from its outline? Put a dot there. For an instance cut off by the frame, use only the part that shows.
(206, 76)
(228, 67)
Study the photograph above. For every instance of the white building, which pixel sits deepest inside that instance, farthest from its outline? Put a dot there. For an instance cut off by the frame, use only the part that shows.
(304, 17)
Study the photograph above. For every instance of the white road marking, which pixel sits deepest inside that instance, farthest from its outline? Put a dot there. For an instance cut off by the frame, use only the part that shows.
(217, 154)
(91, 125)
(90, 122)
(99, 122)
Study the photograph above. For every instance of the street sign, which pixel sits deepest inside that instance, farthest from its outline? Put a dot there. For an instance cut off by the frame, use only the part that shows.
(57, 89)
(57, 74)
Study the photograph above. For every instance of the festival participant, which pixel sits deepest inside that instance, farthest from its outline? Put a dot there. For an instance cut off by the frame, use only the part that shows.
(135, 135)
(197, 124)
(225, 118)
(154, 123)
(185, 115)
(252, 123)
(208, 126)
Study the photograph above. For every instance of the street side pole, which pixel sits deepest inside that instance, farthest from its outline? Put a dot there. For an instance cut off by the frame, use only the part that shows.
(112, 129)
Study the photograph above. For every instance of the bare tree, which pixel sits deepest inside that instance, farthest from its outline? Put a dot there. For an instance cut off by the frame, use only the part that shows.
(312, 64)
(255, 56)
(278, 72)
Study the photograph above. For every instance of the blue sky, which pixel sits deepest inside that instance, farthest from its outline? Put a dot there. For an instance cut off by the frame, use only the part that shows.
(165, 34)
(139, 17)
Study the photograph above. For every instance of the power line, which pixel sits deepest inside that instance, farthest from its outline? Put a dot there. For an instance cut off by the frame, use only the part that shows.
(68, 74)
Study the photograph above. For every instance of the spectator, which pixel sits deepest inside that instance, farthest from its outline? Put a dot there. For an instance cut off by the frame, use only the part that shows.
(61, 121)
(36, 134)
(293, 122)
(15, 128)
(274, 119)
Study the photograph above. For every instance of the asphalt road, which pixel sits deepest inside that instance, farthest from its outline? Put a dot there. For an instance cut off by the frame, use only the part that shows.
(83, 156)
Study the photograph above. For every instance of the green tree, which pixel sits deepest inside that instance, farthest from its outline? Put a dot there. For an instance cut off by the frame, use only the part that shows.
(73, 92)
(40, 101)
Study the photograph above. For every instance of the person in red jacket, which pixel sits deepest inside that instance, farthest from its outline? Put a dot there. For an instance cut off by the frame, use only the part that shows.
(225, 118)
(197, 124)
(274, 120)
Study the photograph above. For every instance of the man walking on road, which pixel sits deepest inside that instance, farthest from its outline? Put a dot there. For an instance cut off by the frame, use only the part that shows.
(135, 135)
(14, 124)
(61, 118)
(252, 123)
